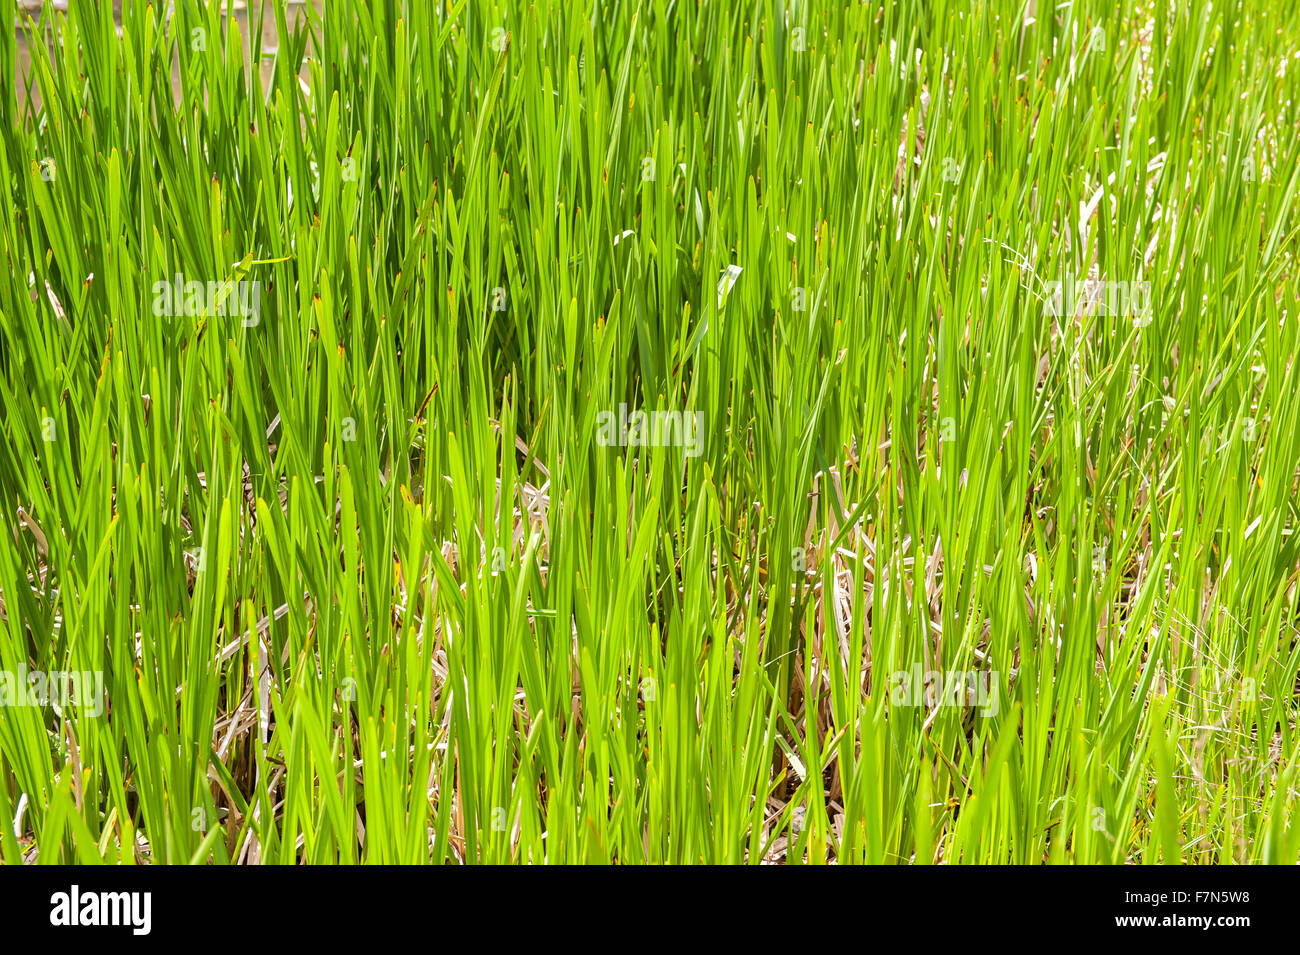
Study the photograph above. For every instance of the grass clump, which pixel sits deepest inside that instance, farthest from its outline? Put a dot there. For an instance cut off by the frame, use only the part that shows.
(661, 432)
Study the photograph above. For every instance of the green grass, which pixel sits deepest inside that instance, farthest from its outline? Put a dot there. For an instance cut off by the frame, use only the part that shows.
(363, 583)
